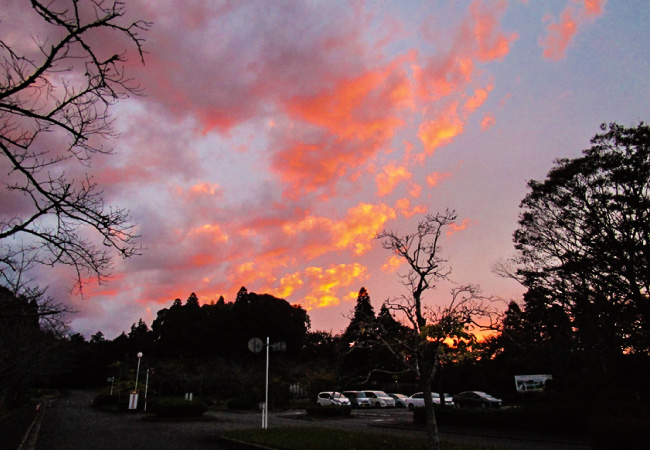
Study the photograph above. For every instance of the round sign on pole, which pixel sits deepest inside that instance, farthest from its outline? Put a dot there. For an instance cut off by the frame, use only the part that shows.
(255, 345)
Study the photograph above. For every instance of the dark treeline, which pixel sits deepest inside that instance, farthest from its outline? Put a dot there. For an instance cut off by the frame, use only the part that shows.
(203, 349)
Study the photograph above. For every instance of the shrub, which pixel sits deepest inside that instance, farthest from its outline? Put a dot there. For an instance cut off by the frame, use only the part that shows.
(176, 408)
(242, 403)
(329, 411)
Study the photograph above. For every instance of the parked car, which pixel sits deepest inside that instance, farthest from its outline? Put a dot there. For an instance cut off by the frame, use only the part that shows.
(400, 399)
(417, 400)
(477, 398)
(332, 399)
(358, 399)
(380, 399)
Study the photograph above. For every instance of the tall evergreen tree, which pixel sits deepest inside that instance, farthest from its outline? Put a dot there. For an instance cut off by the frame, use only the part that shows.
(363, 321)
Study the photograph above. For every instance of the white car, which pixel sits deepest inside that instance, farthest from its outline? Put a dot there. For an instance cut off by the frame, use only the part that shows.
(417, 400)
(400, 400)
(380, 399)
(332, 399)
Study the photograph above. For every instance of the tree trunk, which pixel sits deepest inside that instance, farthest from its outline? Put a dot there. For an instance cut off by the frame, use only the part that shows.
(433, 438)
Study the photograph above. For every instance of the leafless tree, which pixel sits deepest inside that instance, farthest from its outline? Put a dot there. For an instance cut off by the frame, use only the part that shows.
(55, 99)
(422, 344)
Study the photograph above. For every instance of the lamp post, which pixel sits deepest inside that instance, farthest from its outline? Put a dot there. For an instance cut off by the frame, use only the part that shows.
(146, 388)
(255, 345)
(137, 372)
(133, 397)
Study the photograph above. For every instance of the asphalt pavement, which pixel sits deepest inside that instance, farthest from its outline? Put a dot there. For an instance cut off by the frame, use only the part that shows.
(70, 423)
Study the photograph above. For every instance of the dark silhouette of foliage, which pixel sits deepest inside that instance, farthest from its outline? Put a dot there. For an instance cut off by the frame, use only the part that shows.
(224, 329)
(584, 253)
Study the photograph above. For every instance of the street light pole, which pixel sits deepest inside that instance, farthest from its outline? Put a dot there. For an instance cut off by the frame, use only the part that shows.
(137, 372)
(265, 413)
(146, 388)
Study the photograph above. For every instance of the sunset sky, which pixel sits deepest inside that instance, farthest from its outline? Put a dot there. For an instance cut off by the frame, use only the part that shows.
(276, 139)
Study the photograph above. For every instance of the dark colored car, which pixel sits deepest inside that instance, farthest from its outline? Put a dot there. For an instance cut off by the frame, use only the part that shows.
(478, 399)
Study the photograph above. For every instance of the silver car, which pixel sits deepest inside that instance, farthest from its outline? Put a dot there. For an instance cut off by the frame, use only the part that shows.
(417, 400)
(380, 399)
(332, 399)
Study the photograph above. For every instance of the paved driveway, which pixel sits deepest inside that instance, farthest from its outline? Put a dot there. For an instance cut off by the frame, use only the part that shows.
(70, 423)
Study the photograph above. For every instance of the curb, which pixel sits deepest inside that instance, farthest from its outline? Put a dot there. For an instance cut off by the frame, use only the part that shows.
(31, 435)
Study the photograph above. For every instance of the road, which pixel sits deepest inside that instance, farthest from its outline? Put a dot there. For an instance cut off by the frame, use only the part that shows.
(70, 423)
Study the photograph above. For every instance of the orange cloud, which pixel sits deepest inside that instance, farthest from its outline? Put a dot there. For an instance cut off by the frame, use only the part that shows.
(390, 178)
(288, 285)
(202, 259)
(392, 264)
(206, 188)
(444, 76)
(441, 130)
(478, 39)
(436, 177)
(404, 207)
(561, 33)
(361, 225)
(211, 230)
(356, 231)
(559, 36)
(454, 227)
(348, 123)
(594, 7)
(414, 189)
(479, 97)
(358, 108)
(324, 284)
(492, 44)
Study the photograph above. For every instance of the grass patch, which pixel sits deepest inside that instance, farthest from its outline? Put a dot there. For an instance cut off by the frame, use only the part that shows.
(315, 438)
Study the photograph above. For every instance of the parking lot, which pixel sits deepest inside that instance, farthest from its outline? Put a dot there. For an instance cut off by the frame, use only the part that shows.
(70, 422)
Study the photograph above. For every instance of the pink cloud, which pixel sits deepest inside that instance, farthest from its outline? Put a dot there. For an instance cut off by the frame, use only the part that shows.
(493, 44)
(478, 39)
(561, 33)
(476, 100)
(435, 178)
(344, 127)
(487, 121)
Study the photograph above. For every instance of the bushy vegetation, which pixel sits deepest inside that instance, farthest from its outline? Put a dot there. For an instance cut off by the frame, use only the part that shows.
(174, 407)
(242, 404)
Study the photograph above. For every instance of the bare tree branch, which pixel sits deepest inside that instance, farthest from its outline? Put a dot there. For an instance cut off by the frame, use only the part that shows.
(65, 90)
